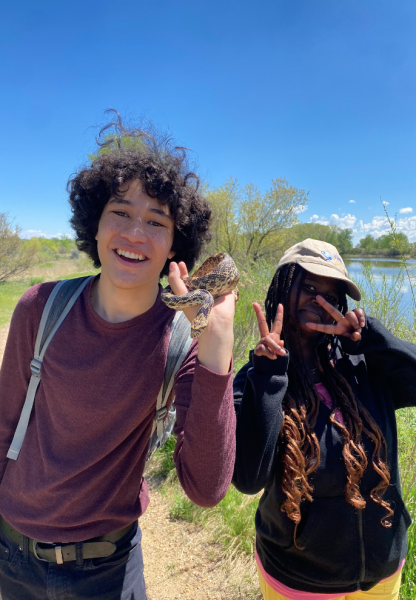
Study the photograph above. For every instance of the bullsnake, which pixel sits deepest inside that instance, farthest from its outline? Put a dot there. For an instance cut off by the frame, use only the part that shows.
(215, 277)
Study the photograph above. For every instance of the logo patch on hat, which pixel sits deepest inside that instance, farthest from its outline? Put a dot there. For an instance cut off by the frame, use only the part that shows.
(338, 264)
(326, 255)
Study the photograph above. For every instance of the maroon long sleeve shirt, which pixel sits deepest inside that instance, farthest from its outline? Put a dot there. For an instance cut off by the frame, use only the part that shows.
(79, 472)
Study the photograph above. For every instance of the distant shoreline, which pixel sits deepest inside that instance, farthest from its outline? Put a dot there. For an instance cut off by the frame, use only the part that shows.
(358, 256)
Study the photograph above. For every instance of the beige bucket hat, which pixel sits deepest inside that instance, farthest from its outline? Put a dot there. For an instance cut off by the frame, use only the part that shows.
(320, 258)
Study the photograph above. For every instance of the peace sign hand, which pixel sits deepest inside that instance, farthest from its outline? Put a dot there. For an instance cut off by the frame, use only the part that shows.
(348, 325)
(270, 344)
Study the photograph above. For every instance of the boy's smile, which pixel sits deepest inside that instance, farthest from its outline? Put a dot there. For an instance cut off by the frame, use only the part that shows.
(134, 239)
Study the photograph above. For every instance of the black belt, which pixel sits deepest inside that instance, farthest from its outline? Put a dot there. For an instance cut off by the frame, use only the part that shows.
(99, 547)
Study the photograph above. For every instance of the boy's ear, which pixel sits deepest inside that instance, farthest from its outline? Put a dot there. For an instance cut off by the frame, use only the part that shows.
(171, 254)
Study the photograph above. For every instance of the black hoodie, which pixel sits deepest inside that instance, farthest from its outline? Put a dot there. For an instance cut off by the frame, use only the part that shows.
(344, 549)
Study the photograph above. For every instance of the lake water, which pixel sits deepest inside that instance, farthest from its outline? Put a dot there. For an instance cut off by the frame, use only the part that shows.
(389, 267)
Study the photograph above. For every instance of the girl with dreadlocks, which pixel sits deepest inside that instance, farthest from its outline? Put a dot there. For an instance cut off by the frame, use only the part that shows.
(316, 430)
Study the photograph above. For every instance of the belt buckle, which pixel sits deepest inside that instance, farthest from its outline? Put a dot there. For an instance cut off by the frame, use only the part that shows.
(58, 552)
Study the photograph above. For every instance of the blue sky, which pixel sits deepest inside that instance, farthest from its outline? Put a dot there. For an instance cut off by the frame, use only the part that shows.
(320, 92)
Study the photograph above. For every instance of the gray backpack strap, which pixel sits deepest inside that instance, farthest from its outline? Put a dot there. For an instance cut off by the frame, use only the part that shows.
(58, 305)
(179, 343)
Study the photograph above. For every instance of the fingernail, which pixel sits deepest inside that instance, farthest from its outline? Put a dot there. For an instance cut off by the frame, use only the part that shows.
(172, 266)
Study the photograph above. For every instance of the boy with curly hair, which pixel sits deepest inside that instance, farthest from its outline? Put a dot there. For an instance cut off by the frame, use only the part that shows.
(77, 488)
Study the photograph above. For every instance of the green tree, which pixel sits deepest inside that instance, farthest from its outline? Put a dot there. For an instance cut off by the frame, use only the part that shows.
(368, 243)
(15, 256)
(224, 202)
(114, 142)
(302, 231)
(253, 225)
(341, 238)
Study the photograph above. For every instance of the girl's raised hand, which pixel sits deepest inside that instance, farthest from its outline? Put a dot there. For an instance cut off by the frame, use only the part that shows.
(348, 325)
(270, 344)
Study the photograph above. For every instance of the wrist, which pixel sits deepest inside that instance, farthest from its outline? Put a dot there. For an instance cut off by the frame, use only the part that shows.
(215, 352)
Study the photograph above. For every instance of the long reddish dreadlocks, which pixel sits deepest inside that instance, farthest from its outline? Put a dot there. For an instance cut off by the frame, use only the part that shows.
(300, 446)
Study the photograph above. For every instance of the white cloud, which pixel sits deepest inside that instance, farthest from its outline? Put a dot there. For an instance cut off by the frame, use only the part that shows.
(30, 233)
(403, 211)
(318, 219)
(385, 202)
(408, 226)
(301, 208)
(344, 222)
(351, 201)
(379, 225)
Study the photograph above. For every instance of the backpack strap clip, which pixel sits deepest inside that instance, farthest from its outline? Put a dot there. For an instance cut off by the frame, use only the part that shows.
(161, 413)
(35, 365)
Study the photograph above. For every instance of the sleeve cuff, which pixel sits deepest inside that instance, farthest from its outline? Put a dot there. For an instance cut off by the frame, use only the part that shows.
(266, 366)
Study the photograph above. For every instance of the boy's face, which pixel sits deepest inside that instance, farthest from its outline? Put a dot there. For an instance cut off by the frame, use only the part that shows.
(134, 239)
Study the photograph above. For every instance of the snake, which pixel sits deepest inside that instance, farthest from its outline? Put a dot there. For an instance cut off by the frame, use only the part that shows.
(216, 276)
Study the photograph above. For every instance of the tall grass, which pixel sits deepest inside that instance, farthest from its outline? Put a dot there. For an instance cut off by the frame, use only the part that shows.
(9, 296)
(11, 291)
(406, 423)
(382, 299)
(253, 285)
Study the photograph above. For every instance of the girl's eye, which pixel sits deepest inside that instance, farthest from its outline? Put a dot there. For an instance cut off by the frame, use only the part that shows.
(309, 287)
(156, 224)
(331, 299)
(120, 213)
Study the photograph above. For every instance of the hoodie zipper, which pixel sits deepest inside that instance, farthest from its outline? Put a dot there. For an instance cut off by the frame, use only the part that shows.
(362, 551)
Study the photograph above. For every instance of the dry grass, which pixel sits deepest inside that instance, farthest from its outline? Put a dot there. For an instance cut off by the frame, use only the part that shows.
(61, 268)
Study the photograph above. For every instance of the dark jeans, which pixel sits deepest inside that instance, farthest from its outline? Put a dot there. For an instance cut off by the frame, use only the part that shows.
(118, 577)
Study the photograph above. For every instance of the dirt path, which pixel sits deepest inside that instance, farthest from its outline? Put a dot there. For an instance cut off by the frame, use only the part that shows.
(180, 561)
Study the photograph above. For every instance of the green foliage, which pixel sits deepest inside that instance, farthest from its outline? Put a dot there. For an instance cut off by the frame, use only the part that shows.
(391, 244)
(340, 238)
(254, 283)
(15, 256)
(115, 142)
(406, 424)
(10, 293)
(52, 249)
(381, 298)
(231, 521)
(162, 461)
(248, 224)
(224, 201)
(35, 280)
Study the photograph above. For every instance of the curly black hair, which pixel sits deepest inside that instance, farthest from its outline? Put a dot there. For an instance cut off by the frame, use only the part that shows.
(133, 154)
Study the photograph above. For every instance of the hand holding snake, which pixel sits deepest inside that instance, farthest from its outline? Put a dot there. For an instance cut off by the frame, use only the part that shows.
(215, 278)
(215, 333)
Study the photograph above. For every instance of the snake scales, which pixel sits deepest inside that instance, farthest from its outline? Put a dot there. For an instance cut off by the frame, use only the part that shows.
(216, 276)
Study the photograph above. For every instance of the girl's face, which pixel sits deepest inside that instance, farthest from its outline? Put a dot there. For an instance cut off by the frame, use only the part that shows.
(308, 309)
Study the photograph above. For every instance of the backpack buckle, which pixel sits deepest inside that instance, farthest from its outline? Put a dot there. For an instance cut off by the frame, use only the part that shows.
(161, 413)
(35, 365)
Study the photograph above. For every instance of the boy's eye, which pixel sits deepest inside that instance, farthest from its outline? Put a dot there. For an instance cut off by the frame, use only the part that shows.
(331, 299)
(309, 287)
(120, 213)
(156, 224)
